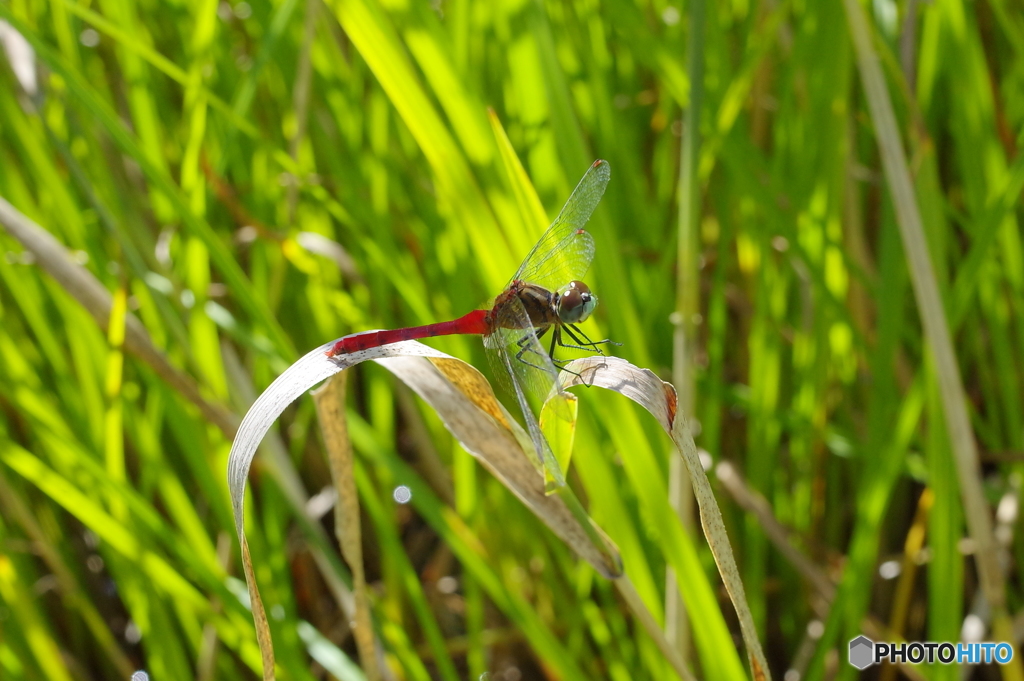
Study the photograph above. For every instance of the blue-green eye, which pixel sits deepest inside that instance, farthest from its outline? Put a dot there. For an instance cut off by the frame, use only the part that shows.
(575, 303)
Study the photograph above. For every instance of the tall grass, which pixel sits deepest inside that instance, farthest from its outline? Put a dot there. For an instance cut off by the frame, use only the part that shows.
(252, 179)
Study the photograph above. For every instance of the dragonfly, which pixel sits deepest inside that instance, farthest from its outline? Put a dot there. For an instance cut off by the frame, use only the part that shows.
(545, 295)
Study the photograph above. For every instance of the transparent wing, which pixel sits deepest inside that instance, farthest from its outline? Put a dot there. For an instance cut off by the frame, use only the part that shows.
(524, 369)
(564, 252)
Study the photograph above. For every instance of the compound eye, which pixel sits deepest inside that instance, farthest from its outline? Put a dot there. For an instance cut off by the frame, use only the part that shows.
(575, 303)
(570, 302)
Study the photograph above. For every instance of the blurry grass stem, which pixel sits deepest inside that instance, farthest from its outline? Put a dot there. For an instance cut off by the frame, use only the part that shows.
(684, 335)
(16, 510)
(667, 646)
(936, 328)
(80, 283)
(752, 502)
(783, 539)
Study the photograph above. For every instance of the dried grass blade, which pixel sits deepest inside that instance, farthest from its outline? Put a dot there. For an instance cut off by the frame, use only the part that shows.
(330, 409)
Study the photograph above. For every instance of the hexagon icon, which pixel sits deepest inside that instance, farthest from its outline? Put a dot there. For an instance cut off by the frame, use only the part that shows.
(862, 652)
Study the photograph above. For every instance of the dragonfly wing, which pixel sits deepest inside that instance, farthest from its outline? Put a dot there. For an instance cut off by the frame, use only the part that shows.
(564, 252)
(525, 370)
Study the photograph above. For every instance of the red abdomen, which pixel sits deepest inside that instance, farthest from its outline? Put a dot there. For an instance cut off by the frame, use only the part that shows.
(470, 324)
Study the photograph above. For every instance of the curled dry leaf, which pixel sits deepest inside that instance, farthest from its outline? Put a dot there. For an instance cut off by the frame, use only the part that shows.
(659, 398)
(464, 400)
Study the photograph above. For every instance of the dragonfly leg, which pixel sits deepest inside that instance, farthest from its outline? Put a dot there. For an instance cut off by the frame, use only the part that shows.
(523, 349)
(556, 337)
(585, 344)
(560, 364)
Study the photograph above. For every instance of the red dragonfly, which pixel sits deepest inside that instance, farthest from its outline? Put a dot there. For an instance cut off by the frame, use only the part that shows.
(545, 294)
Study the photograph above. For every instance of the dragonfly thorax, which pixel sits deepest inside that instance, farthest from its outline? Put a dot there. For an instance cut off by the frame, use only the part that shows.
(575, 302)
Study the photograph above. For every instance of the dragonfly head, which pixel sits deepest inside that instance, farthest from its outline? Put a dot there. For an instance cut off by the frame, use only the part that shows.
(575, 303)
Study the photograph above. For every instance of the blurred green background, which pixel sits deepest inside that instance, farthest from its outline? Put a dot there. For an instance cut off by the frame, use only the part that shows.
(252, 179)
